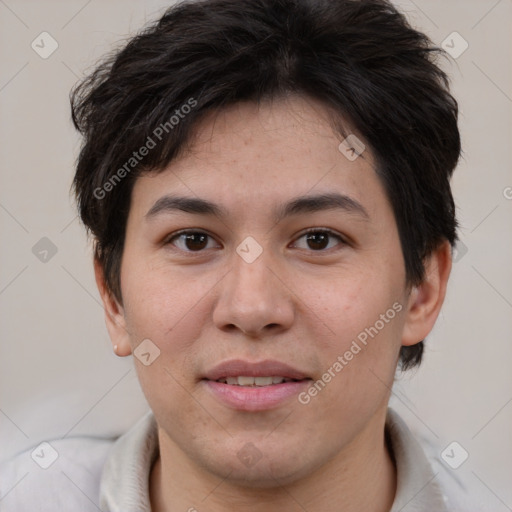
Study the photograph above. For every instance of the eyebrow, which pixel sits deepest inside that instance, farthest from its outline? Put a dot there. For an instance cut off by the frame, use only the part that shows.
(299, 205)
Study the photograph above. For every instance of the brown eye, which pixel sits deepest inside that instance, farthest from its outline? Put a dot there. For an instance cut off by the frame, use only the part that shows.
(190, 241)
(320, 239)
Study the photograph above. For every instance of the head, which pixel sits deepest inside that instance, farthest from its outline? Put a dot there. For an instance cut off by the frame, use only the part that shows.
(265, 122)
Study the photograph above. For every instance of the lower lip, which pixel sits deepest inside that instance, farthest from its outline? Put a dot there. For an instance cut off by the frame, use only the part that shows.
(256, 398)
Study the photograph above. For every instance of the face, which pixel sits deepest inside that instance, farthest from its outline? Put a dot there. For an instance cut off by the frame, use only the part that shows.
(264, 281)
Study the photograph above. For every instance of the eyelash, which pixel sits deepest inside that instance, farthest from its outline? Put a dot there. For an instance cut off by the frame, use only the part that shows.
(328, 231)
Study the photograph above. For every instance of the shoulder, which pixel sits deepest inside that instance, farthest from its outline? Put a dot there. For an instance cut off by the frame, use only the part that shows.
(61, 474)
(431, 469)
(453, 468)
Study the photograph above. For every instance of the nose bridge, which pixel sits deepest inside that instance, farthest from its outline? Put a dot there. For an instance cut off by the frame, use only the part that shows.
(252, 297)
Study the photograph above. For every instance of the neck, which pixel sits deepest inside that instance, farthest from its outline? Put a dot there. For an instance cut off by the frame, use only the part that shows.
(361, 477)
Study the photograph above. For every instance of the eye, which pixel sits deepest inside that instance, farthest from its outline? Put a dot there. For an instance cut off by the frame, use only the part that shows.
(190, 241)
(319, 239)
(195, 241)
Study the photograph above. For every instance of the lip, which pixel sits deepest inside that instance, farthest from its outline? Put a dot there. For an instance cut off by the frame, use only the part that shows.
(258, 398)
(255, 398)
(266, 368)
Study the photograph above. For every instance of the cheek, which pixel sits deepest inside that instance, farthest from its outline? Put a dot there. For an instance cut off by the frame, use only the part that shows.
(167, 310)
(359, 322)
(164, 307)
(343, 305)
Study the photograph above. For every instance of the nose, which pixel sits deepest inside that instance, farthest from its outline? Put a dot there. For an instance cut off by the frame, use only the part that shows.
(254, 298)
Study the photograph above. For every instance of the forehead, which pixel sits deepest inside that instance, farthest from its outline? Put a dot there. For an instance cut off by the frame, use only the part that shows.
(289, 129)
(260, 156)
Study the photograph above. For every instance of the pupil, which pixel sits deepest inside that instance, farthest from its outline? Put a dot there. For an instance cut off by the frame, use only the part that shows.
(321, 240)
(193, 240)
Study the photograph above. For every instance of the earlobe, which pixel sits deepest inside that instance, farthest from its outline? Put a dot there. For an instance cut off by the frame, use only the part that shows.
(114, 314)
(426, 299)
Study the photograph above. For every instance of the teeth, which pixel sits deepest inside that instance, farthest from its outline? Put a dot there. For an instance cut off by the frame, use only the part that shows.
(263, 381)
(253, 381)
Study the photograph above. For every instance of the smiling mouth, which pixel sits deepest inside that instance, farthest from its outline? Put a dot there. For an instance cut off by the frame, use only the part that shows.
(252, 382)
(254, 386)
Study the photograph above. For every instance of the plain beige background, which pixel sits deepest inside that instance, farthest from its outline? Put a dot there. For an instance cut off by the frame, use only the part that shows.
(58, 375)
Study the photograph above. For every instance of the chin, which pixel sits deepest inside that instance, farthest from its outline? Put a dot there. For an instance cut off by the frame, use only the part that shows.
(257, 470)
(263, 477)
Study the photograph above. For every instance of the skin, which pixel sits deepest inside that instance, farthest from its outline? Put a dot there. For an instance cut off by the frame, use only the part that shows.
(295, 303)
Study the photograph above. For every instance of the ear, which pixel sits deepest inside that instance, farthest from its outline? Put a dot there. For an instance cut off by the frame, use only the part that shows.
(426, 299)
(114, 314)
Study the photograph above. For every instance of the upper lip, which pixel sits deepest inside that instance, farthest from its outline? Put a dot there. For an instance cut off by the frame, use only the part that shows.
(266, 368)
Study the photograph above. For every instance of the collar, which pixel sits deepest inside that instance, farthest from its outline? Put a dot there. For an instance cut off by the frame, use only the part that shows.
(124, 483)
(417, 489)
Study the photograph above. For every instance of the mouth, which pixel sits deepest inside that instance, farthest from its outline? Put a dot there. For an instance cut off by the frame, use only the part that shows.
(248, 381)
(255, 386)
